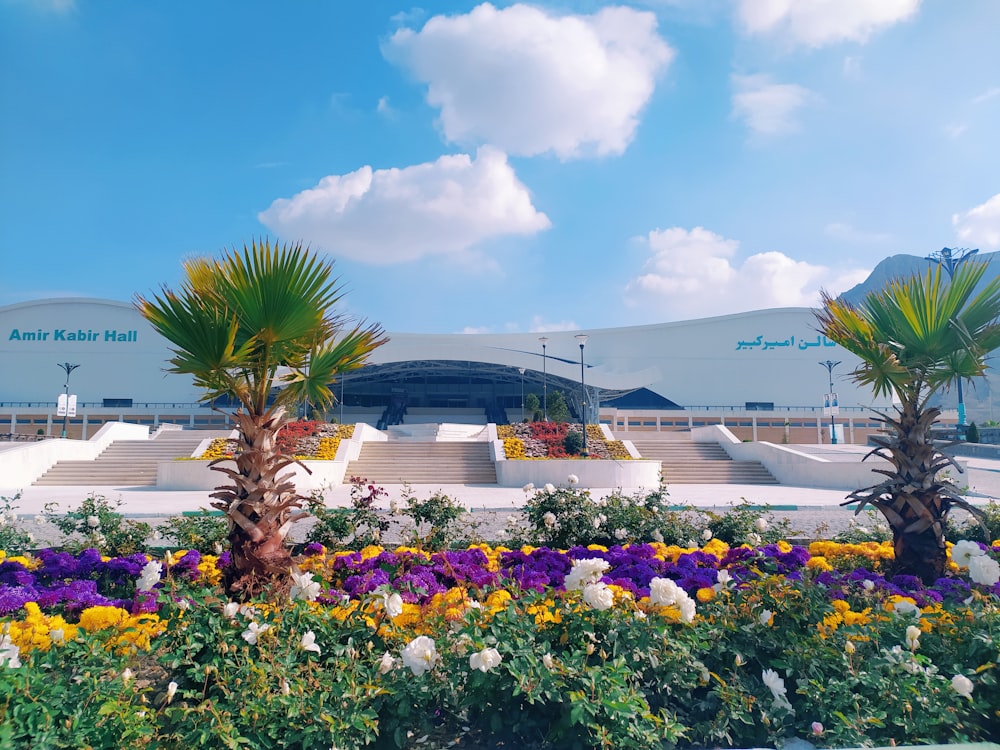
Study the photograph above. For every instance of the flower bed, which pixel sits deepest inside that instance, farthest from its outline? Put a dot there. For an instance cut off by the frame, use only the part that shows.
(306, 440)
(628, 647)
(537, 440)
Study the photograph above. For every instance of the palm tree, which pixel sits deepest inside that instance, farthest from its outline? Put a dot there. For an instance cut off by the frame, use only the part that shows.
(244, 326)
(914, 337)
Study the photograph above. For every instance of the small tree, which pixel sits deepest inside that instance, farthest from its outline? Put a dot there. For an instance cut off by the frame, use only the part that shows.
(972, 433)
(558, 410)
(532, 406)
(233, 323)
(914, 337)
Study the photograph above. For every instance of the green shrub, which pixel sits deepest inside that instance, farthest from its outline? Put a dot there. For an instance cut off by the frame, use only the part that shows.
(747, 524)
(573, 442)
(360, 525)
(204, 531)
(972, 433)
(436, 520)
(13, 539)
(97, 524)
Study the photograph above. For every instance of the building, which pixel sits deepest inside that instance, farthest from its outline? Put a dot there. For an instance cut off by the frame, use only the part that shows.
(760, 372)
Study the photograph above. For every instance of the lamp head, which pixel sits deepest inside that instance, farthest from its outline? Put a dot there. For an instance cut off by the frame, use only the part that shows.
(581, 339)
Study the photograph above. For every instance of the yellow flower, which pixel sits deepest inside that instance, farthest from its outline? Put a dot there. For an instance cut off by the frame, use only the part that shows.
(818, 563)
(705, 594)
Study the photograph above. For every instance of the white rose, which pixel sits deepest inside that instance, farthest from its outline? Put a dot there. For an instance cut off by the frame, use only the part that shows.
(760, 524)
(706, 534)
(386, 664)
(393, 604)
(549, 519)
(962, 685)
(549, 487)
(984, 570)
(420, 655)
(964, 551)
(585, 571)
(93, 521)
(573, 479)
(485, 660)
(912, 637)
(598, 596)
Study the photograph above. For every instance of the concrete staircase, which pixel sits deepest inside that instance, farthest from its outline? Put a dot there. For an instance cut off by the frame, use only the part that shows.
(127, 463)
(685, 462)
(398, 462)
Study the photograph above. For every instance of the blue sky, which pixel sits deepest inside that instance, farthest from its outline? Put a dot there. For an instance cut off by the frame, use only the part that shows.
(499, 168)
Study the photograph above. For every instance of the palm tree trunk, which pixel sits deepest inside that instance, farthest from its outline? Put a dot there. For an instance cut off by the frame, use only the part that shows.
(259, 504)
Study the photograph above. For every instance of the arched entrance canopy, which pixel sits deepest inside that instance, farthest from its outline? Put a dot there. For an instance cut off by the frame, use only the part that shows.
(455, 384)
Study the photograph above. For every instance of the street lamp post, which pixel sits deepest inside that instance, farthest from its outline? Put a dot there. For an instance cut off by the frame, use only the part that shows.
(342, 398)
(829, 365)
(68, 368)
(582, 339)
(947, 259)
(545, 386)
(521, 370)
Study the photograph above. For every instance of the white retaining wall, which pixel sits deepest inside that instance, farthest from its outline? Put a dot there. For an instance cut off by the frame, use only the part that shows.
(23, 464)
(798, 469)
(195, 475)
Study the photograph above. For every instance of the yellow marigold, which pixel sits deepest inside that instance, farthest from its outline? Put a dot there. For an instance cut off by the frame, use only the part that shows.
(705, 594)
(513, 448)
(492, 555)
(545, 611)
(208, 571)
(497, 600)
(857, 618)
(818, 563)
(27, 561)
(412, 551)
(505, 431)
(327, 448)
(372, 550)
(597, 548)
(716, 547)
(784, 547)
(840, 605)
(100, 617)
(409, 617)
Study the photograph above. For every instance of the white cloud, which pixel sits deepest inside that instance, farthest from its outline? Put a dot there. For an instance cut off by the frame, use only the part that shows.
(539, 325)
(531, 82)
(768, 108)
(384, 216)
(815, 23)
(694, 273)
(384, 108)
(980, 225)
(987, 95)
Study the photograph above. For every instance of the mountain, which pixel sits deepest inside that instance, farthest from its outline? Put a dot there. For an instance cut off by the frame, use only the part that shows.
(896, 266)
(982, 395)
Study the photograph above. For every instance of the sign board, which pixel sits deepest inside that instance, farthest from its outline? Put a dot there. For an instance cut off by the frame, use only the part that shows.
(66, 406)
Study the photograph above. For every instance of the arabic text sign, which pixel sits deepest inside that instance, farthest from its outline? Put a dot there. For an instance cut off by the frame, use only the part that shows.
(790, 342)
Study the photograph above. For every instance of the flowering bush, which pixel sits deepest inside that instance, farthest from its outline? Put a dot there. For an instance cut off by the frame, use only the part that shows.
(536, 440)
(305, 439)
(585, 637)
(625, 646)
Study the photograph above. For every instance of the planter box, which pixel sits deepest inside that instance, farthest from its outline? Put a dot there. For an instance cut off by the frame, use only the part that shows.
(603, 473)
(195, 475)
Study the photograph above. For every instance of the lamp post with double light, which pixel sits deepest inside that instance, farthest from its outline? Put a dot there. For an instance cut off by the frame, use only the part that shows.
(947, 259)
(521, 370)
(829, 365)
(64, 407)
(545, 386)
(581, 339)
